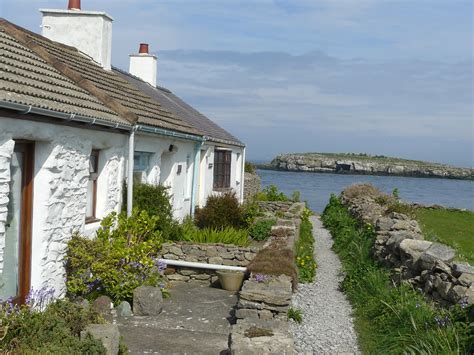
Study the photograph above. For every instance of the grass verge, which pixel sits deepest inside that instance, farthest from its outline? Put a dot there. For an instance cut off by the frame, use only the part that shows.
(304, 250)
(390, 318)
(452, 227)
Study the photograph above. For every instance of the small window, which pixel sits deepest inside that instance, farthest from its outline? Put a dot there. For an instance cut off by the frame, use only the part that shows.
(141, 161)
(222, 165)
(92, 187)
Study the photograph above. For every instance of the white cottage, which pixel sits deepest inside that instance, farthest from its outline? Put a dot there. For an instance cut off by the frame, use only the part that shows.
(73, 129)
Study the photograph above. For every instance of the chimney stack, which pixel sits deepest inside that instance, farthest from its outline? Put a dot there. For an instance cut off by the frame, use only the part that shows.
(89, 31)
(143, 65)
(74, 5)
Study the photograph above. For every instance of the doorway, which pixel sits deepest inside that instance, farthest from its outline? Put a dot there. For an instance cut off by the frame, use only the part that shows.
(16, 270)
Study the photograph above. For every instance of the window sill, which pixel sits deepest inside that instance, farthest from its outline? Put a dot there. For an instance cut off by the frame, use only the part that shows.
(222, 189)
(91, 220)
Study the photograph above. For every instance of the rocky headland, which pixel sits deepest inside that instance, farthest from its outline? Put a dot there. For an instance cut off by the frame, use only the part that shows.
(365, 164)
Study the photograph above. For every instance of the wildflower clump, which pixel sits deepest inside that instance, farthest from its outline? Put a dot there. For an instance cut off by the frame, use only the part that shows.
(304, 250)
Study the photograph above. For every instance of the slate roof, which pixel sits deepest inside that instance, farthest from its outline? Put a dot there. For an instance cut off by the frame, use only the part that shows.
(42, 73)
(183, 110)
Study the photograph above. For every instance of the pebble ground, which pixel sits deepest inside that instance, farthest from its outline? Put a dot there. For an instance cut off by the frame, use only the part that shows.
(327, 326)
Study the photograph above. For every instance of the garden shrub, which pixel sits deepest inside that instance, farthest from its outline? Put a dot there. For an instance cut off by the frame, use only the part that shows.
(220, 211)
(52, 328)
(249, 168)
(156, 201)
(362, 190)
(391, 318)
(250, 211)
(121, 258)
(261, 230)
(271, 193)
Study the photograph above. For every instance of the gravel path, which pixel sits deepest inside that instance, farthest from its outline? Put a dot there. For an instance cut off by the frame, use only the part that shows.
(327, 326)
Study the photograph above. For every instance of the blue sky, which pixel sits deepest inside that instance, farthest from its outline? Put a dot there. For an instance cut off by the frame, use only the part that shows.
(375, 76)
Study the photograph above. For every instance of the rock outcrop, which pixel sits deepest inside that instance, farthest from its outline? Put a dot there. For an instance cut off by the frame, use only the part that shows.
(366, 165)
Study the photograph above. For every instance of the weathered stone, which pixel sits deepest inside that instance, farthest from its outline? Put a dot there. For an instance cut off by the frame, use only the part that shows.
(191, 258)
(401, 225)
(461, 268)
(436, 252)
(108, 334)
(124, 309)
(249, 304)
(466, 279)
(469, 295)
(277, 291)
(265, 314)
(260, 337)
(384, 224)
(428, 286)
(249, 256)
(170, 256)
(396, 237)
(147, 301)
(215, 260)
(442, 267)
(201, 277)
(443, 289)
(178, 277)
(457, 293)
(103, 306)
(187, 272)
(212, 251)
(246, 313)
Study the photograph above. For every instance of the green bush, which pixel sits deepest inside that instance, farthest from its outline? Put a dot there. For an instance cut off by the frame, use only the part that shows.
(304, 250)
(220, 211)
(390, 318)
(249, 168)
(156, 201)
(49, 329)
(121, 257)
(271, 193)
(227, 235)
(261, 230)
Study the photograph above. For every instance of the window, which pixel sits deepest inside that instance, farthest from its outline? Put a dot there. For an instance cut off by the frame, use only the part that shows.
(141, 163)
(92, 187)
(222, 160)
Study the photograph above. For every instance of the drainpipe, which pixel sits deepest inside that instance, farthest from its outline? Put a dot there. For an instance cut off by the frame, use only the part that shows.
(194, 187)
(192, 264)
(131, 151)
(242, 178)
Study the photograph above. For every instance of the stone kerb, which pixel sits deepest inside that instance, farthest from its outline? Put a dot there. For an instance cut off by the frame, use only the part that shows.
(221, 254)
(428, 266)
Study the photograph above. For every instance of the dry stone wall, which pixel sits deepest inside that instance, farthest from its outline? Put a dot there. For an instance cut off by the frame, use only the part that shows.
(399, 244)
(252, 185)
(204, 253)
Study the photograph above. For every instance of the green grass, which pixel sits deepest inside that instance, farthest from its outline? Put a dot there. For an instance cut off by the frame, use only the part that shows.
(390, 318)
(228, 235)
(452, 227)
(304, 250)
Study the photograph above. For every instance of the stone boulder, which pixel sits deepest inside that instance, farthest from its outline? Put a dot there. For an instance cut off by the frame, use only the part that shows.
(434, 253)
(147, 301)
(462, 268)
(277, 291)
(103, 305)
(108, 334)
(124, 309)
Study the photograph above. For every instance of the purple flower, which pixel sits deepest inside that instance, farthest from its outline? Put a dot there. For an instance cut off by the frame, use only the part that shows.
(161, 266)
(261, 277)
(39, 299)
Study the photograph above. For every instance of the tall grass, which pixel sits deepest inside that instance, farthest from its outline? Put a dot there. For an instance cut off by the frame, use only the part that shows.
(391, 318)
(227, 235)
(304, 250)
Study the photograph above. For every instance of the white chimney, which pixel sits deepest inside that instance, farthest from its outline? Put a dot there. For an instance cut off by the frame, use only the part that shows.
(88, 31)
(143, 65)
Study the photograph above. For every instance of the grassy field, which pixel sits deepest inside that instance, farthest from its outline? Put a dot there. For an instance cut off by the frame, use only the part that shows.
(451, 227)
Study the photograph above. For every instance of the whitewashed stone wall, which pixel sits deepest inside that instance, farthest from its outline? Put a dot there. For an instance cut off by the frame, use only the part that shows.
(6, 150)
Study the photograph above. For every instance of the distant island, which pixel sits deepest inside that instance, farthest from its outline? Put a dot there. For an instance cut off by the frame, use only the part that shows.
(351, 163)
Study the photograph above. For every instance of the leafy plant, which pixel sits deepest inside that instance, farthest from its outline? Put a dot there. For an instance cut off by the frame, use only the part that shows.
(156, 201)
(271, 193)
(295, 196)
(304, 250)
(391, 318)
(120, 258)
(250, 211)
(261, 230)
(227, 235)
(295, 314)
(52, 329)
(249, 168)
(220, 211)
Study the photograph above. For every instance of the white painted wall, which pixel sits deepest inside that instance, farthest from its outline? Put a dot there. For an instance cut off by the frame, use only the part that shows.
(164, 168)
(144, 67)
(61, 170)
(88, 31)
